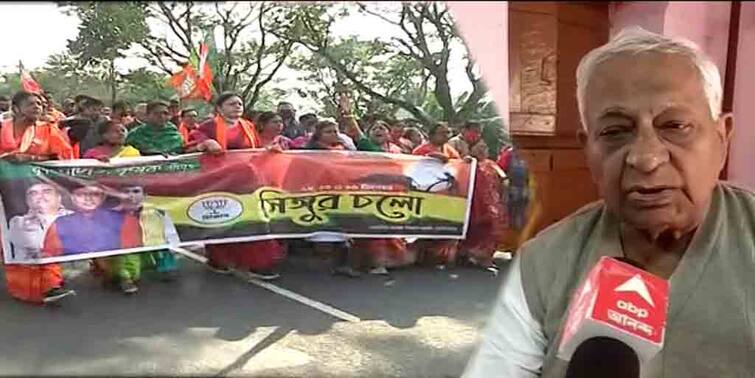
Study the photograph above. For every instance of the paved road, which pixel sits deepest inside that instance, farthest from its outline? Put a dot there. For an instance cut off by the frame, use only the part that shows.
(422, 323)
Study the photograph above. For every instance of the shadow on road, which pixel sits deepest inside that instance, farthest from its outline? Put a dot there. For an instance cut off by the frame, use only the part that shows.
(169, 327)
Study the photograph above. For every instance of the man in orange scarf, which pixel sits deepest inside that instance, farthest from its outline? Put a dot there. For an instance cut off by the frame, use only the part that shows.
(26, 138)
(188, 123)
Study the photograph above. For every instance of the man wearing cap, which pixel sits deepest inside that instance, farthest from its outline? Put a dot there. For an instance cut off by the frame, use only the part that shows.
(656, 139)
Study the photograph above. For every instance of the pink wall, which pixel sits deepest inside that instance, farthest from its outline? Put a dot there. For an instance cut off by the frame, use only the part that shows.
(742, 157)
(485, 28)
(650, 15)
(704, 22)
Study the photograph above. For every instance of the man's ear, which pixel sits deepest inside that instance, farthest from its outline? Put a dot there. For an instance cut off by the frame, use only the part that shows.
(728, 125)
(725, 130)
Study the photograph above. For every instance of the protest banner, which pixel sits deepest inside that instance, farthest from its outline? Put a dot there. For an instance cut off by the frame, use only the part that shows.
(78, 209)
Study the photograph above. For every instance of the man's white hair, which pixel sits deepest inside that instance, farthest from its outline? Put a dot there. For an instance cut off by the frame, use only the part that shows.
(635, 40)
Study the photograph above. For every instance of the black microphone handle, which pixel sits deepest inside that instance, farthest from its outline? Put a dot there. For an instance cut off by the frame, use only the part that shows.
(603, 357)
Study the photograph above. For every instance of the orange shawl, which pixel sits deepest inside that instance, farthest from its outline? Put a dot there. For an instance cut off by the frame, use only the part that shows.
(42, 139)
(184, 131)
(250, 133)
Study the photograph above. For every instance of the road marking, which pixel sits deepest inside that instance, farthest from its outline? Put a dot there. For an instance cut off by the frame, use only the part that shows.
(189, 254)
(330, 310)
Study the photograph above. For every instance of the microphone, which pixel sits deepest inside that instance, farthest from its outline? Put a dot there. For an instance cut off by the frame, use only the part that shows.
(616, 321)
(601, 357)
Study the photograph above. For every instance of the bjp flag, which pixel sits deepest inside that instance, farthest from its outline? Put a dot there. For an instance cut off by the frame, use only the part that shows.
(194, 83)
(27, 82)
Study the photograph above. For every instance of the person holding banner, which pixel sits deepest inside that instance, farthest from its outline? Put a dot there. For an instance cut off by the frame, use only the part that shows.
(158, 136)
(113, 135)
(188, 123)
(383, 253)
(487, 218)
(24, 138)
(438, 252)
(270, 127)
(346, 261)
(438, 147)
(229, 131)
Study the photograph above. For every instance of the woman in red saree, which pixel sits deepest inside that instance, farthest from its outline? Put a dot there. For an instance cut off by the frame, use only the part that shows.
(228, 131)
(25, 138)
(437, 252)
(270, 127)
(487, 221)
(384, 253)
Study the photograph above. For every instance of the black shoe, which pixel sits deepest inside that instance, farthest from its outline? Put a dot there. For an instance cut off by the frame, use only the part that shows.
(56, 294)
(264, 276)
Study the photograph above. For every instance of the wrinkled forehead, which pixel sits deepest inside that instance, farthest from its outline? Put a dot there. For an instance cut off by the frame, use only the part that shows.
(40, 188)
(645, 83)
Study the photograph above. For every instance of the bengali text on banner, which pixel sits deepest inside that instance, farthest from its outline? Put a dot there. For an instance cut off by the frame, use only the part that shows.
(79, 209)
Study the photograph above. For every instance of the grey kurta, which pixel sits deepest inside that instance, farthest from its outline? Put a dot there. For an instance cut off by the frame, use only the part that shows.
(711, 325)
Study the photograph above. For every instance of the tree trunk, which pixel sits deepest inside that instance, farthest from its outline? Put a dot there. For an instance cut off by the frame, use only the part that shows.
(113, 83)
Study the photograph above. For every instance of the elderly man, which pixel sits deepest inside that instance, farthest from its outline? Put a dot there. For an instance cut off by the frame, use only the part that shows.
(292, 129)
(655, 141)
(27, 232)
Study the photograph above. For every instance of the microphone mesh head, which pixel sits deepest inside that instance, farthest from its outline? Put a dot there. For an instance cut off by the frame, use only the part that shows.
(602, 357)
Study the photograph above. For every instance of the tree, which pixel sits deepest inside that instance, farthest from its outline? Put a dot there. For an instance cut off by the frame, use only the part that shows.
(428, 33)
(398, 77)
(249, 57)
(105, 32)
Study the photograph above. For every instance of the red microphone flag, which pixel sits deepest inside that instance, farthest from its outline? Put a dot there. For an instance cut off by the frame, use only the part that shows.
(620, 301)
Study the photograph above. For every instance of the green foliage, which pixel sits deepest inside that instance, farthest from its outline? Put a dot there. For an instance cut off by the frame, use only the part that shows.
(107, 29)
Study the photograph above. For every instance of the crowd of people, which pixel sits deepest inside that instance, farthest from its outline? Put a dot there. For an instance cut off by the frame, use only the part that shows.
(35, 129)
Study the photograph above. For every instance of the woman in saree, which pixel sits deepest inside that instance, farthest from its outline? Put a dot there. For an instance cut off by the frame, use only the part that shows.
(440, 253)
(487, 221)
(229, 131)
(346, 261)
(24, 137)
(270, 127)
(120, 270)
(388, 252)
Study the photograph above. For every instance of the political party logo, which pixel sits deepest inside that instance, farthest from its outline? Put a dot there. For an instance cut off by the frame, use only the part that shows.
(429, 175)
(215, 209)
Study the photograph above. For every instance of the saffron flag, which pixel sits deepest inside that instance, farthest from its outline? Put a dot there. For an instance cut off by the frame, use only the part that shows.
(92, 209)
(194, 81)
(27, 82)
